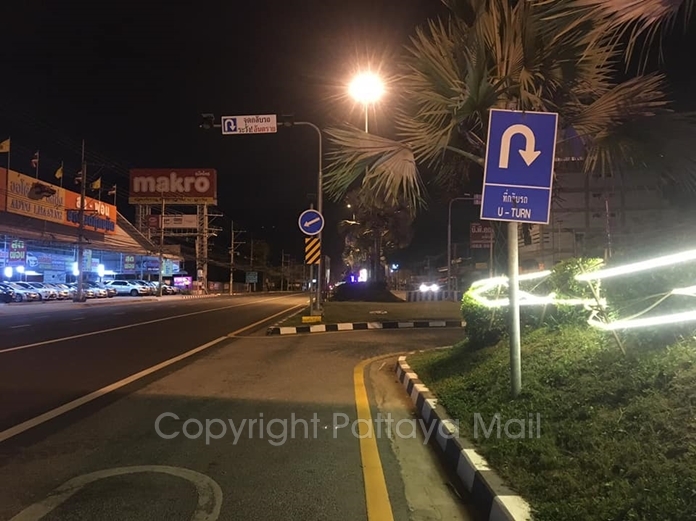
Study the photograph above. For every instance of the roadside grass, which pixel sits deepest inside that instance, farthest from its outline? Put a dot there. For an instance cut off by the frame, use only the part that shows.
(338, 312)
(618, 433)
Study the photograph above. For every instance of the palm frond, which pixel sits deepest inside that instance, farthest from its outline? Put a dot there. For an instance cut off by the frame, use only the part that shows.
(387, 167)
(635, 99)
(639, 22)
(661, 146)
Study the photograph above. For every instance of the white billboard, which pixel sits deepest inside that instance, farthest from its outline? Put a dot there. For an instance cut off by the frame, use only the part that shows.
(180, 221)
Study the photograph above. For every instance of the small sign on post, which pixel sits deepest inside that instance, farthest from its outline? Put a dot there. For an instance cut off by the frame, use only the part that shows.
(311, 222)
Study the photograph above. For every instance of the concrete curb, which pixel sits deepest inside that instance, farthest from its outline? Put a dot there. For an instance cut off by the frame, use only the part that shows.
(362, 326)
(489, 494)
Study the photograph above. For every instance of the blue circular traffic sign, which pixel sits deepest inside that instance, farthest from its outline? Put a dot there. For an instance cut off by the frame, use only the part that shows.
(311, 222)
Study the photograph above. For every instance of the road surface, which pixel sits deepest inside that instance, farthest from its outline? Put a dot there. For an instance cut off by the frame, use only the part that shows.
(135, 452)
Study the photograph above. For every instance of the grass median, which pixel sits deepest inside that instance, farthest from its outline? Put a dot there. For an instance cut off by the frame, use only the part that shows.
(617, 432)
(341, 312)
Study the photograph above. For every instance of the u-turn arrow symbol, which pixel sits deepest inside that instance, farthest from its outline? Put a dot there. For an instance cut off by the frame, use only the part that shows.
(529, 155)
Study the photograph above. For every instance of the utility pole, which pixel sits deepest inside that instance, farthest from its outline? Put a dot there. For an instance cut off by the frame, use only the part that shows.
(233, 249)
(284, 266)
(232, 260)
(161, 249)
(79, 295)
(251, 260)
(202, 247)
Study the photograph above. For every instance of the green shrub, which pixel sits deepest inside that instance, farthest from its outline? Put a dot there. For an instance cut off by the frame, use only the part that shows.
(631, 295)
(486, 326)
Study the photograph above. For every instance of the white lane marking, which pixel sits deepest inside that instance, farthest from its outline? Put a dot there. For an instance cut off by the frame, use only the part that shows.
(38, 420)
(79, 318)
(21, 325)
(121, 313)
(128, 326)
(209, 492)
(54, 413)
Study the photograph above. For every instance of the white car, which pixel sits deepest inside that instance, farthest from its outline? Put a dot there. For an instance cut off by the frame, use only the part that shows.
(45, 292)
(127, 287)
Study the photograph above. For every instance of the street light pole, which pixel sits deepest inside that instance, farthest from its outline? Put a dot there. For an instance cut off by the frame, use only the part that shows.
(449, 239)
(320, 208)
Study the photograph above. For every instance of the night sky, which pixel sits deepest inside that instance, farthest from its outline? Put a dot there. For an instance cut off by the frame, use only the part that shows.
(132, 81)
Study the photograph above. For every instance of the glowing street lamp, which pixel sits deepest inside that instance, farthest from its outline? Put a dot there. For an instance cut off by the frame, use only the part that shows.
(366, 88)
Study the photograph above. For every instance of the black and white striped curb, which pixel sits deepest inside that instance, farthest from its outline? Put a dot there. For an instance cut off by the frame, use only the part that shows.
(491, 496)
(199, 296)
(362, 326)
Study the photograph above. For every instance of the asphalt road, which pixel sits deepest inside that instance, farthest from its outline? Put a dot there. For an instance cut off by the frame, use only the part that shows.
(51, 353)
(112, 459)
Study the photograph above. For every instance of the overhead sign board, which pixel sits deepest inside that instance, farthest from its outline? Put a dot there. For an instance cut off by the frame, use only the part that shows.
(311, 222)
(99, 216)
(19, 200)
(176, 186)
(518, 174)
(180, 222)
(252, 277)
(260, 124)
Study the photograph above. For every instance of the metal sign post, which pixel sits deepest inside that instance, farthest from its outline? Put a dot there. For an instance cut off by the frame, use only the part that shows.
(311, 223)
(517, 183)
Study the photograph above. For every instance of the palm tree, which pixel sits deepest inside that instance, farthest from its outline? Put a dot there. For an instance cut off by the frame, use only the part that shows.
(377, 230)
(545, 55)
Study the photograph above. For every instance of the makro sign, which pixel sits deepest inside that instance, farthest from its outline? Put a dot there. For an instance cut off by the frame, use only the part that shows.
(18, 200)
(175, 186)
(99, 216)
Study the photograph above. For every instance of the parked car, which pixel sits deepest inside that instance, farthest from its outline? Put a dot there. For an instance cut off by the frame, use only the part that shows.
(87, 292)
(128, 287)
(63, 291)
(99, 290)
(110, 292)
(45, 292)
(8, 289)
(22, 293)
(152, 290)
(6, 296)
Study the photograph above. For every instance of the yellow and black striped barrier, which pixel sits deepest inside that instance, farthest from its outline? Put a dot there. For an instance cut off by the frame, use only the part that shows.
(312, 250)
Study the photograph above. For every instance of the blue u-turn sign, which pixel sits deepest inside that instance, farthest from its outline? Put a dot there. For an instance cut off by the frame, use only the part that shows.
(518, 173)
